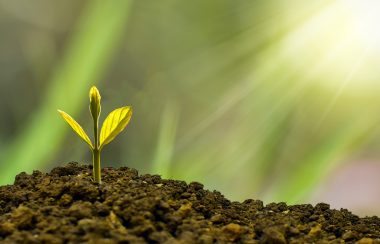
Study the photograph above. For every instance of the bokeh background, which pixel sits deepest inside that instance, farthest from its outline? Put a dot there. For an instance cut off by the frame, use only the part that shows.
(274, 100)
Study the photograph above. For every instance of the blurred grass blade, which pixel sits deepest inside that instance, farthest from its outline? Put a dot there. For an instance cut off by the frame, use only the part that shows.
(76, 127)
(98, 33)
(166, 140)
(115, 123)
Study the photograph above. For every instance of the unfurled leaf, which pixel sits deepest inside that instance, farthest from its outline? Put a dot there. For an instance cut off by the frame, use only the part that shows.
(95, 103)
(115, 122)
(76, 127)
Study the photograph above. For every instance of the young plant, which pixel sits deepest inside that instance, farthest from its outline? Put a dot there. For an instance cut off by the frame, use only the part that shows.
(115, 122)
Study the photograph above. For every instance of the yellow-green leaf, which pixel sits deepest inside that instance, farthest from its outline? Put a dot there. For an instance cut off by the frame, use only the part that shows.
(76, 127)
(115, 122)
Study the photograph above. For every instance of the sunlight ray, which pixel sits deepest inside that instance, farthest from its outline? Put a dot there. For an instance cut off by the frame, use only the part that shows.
(260, 76)
(343, 85)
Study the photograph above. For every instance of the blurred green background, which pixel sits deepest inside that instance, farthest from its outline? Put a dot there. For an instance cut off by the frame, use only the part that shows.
(274, 100)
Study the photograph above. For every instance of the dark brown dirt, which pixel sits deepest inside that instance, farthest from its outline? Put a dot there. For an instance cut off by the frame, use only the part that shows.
(65, 206)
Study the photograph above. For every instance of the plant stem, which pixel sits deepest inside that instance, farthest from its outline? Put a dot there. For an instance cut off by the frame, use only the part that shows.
(96, 165)
(96, 154)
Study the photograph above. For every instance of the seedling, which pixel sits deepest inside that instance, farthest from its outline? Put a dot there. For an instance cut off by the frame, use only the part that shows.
(115, 122)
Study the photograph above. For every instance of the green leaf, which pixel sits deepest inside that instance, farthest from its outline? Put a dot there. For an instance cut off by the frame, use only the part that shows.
(76, 127)
(115, 122)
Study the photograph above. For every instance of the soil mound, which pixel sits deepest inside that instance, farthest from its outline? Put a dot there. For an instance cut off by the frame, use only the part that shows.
(65, 206)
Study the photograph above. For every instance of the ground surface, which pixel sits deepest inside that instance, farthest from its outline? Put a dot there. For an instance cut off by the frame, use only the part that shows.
(65, 206)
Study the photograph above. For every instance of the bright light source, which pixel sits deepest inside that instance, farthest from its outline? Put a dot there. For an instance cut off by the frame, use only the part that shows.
(365, 15)
(339, 47)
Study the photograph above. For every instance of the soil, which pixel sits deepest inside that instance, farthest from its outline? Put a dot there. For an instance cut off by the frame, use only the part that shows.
(66, 206)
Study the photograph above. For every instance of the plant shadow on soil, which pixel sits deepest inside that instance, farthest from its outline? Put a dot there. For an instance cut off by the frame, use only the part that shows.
(66, 206)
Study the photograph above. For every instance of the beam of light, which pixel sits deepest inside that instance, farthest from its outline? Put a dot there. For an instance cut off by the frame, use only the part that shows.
(343, 85)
